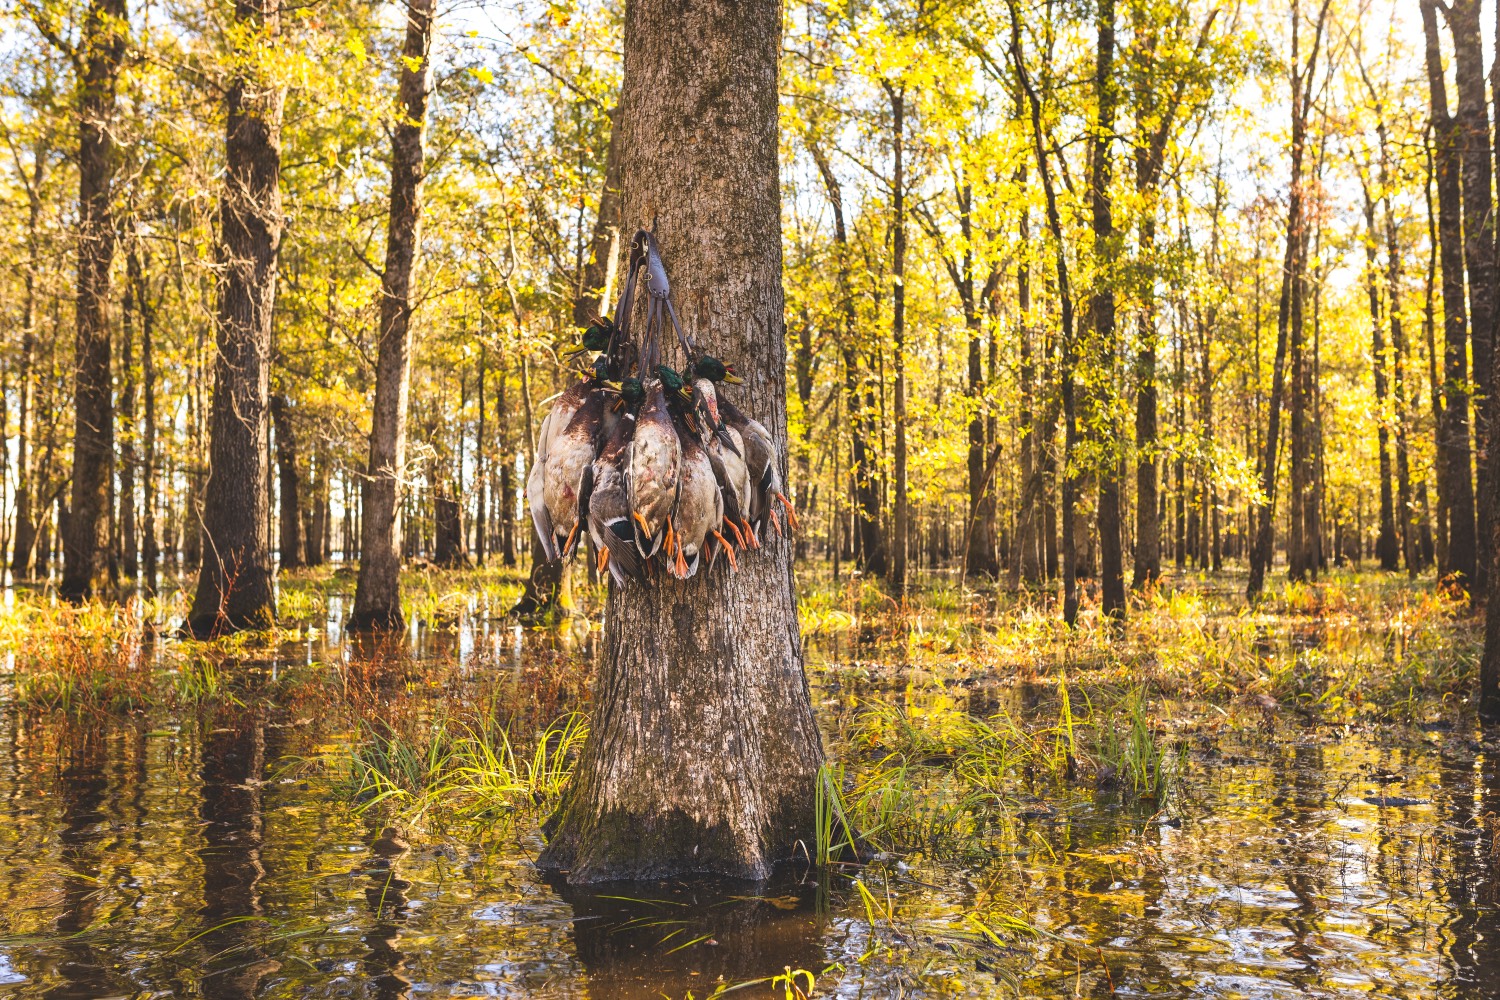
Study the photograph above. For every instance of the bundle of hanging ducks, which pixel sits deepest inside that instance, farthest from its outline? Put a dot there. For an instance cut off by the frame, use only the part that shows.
(648, 461)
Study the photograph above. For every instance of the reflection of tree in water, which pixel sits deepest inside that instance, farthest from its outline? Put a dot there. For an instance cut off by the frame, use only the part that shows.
(1298, 814)
(386, 897)
(234, 753)
(1467, 794)
(625, 936)
(81, 786)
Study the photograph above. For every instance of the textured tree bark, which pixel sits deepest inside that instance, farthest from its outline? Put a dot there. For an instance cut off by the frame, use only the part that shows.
(1102, 319)
(1456, 491)
(102, 50)
(703, 753)
(234, 580)
(289, 485)
(1473, 123)
(377, 595)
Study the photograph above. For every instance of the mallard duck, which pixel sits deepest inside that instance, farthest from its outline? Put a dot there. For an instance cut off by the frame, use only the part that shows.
(604, 491)
(726, 455)
(654, 469)
(699, 511)
(760, 457)
(569, 453)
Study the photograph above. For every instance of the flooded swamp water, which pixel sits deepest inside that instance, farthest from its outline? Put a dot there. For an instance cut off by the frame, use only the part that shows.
(191, 856)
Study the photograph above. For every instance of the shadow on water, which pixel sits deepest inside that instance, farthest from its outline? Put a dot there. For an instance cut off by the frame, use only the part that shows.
(666, 939)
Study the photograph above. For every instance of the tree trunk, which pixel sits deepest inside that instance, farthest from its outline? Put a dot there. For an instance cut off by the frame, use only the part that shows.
(234, 581)
(1288, 328)
(1473, 126)
(1029, 562)
(102, 50)
(448, 528)
(1455, 486)
(128, 437)
(1102, 321)
(289, 484)
(901, 522)
(377, 596)
(871, 548)
(24, 540)
(1068, 347)
(1387, 546)
(703, 754)
(598, 273)
(150, 545)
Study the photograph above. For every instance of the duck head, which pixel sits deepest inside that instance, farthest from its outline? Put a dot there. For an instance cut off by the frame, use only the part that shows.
(711, 368)
(595, 337)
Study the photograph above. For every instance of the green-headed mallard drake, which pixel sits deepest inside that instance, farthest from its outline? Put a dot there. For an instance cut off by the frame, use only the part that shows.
(604, 491)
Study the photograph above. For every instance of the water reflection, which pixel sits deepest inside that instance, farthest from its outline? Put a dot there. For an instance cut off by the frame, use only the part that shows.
(385, 895)
(81, 786)
(139, 858)
(233, 764)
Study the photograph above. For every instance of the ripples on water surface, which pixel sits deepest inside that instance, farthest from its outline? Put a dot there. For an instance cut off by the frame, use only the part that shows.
(147, 857)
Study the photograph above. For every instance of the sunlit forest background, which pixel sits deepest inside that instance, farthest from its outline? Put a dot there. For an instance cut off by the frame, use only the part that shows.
(958, 401)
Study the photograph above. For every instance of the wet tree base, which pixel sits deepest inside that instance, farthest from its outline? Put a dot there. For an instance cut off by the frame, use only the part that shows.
(217, 626)
(376, 621)
(622, 846)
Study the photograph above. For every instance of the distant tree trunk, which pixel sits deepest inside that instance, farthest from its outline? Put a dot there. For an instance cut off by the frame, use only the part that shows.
(1387, 546)
(804, 367)
(1456, 491)
(860, 399)
(703, 753)
(1434, 382)
(448, 528)
(1288, 325)
(24, 540)
(1102, 320)
(1068, 344)
(896, 570)
(234, 581)
(129, 437)
(289, 484)
(481, 472)
(101, 53)
(315, 516)
(150, 545)
(1473, 127)
(1406, 513)
(507, 478)
(1028, 564)
(597, 278)
(377, 596)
